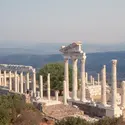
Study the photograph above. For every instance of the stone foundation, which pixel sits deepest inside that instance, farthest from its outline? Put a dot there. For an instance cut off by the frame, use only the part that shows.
(89, 109)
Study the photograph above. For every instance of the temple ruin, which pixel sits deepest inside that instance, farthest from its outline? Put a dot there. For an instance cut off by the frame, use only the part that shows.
(18, 79)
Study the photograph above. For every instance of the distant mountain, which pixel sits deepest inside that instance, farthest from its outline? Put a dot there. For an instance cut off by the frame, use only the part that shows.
(94, 61)
(53, 48)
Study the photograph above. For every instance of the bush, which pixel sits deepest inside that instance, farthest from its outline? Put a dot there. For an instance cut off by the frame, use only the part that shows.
(72, 121)
(10, 107)
(79, 121)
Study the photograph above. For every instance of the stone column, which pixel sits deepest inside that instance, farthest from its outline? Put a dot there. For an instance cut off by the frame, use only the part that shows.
(93, 81)
(10, 81)
(21, 82)
(83, 92)
(18, 84)
(41, 86)
(123, 95)
(86, 78)
(66, 74)
(48, 86)
(114, 84)
(98, 78)
(103, 86)
(38, 94)
(56, 95)
(15, 80)
(5, 79)
(64, 93)
(27, 81)
(0, 78)
(34, 83)
(74, 79)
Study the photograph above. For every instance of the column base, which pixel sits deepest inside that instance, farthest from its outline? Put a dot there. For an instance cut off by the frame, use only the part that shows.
(113, 112)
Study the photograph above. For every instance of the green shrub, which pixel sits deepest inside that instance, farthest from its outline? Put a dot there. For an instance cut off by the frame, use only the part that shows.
(79, 121)
(72, 121)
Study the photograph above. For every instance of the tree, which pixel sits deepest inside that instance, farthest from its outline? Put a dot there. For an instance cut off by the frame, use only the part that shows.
(56, 71)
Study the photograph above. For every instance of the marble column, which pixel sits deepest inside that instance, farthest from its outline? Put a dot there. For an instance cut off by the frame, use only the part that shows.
(10, 81)
(0, 78)
(93, 81)
(5, 78)
(83, 90)
(18, 84)
(27, 81)
(34, 83)
(48, 86)
(66, 74)
(86, 78)
(114, 84)
(41, 86)
(56, 95)
(2, 81)
(98, 78)
(38, 94)
(123, 95)
(64, 93)
(21, 82)
(15, 80)
(74, 79)
(103, 86)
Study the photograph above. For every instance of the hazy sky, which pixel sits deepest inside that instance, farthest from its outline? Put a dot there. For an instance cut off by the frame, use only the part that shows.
(92, 21)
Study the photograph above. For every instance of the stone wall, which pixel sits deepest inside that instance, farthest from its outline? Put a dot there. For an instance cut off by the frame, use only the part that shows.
(90, 110)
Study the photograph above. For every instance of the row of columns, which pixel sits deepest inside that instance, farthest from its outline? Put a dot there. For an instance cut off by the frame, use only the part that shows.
(18, 79)
(113, 87)
(74, 77)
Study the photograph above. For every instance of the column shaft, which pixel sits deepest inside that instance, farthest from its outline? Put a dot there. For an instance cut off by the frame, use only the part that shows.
(10, 81)
(103, 86)
(15, 80)
(74, 79)
(56, 94)
(98, 78)
(21, 82)
(83, 90)
(91, 79)
(123, 95)
(5, 80)
(114, 83)
(0, 78)
(86, 78)
(64, 93)
(41, 86)
(27, 81)
(18, 84)
(48, 86)
(66, 74)
(34, 83)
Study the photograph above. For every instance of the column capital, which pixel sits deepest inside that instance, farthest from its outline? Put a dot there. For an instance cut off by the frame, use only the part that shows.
(114, 62)
(66, 57)
(83, 56)
(34, 70)
(104, 66)
(73, 58)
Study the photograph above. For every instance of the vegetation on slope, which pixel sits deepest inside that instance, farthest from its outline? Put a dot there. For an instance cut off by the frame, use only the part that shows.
(14, 110)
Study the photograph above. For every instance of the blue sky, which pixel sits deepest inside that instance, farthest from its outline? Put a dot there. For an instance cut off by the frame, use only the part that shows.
(92, 21)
